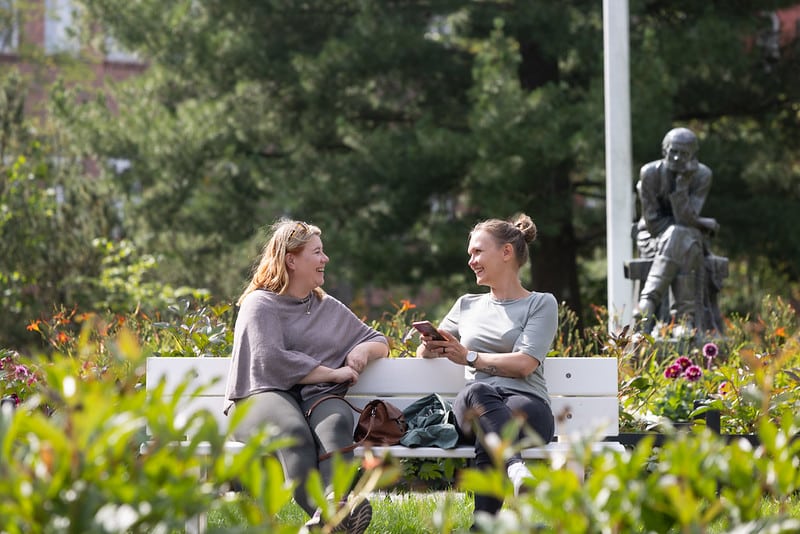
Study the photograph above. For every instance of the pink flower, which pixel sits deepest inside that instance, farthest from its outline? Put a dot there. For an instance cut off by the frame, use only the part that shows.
(710, 350)
(673, 371)
(684, 362)
(693, 373)
(724, 388)
(21, 371)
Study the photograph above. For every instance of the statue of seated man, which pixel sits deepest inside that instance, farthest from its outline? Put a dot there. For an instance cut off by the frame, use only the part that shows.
(671, 231)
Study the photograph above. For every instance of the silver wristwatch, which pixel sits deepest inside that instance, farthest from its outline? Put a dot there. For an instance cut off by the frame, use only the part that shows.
(472, 357)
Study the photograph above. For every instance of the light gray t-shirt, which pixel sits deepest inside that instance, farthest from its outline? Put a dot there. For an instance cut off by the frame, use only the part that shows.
(279, 339)
(485, 324)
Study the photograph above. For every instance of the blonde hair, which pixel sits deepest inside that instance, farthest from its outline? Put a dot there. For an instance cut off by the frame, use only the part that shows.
(519, 233)
(286, 235)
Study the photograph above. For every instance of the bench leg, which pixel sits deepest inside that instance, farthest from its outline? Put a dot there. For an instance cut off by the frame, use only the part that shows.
(563, 459)
(577, 468)
(197, 524)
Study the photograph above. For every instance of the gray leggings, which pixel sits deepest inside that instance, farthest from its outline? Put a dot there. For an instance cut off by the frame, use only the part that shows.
(329, 428)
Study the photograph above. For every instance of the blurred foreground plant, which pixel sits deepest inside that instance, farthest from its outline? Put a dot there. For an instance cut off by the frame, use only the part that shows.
(109, 456)
(695, 481)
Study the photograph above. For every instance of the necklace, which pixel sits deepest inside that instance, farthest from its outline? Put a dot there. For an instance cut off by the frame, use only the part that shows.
(506, 301)
(307, 302)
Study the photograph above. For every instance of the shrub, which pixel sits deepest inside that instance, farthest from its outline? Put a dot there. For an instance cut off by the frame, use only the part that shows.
(102, 457)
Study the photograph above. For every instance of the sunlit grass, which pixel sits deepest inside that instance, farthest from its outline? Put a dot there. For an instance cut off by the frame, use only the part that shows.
(421, 513)
(407, 513)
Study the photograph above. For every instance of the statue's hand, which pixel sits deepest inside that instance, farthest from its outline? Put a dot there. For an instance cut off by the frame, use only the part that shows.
(682, 182)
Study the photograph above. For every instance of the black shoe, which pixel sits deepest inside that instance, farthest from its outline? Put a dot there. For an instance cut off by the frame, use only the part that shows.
(358, 520)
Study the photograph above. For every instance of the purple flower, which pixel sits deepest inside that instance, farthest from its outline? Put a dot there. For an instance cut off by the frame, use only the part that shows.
(21, 371)
(683, 362)
(673, 371)
(710, 350)
(693, 373)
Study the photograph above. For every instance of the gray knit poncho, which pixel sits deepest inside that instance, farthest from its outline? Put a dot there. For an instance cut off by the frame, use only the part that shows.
(279, 339)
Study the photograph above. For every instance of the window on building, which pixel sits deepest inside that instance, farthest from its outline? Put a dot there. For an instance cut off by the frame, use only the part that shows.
(60, 31)
(115, 52)
(9, 27)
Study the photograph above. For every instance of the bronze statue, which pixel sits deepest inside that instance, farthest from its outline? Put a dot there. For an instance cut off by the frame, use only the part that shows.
(671, 231)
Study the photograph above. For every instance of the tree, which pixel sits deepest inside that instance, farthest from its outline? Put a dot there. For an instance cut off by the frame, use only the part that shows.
(49, 217)
(397, 125)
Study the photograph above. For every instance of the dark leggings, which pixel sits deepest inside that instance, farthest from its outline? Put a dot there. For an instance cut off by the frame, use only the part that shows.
(493, 408)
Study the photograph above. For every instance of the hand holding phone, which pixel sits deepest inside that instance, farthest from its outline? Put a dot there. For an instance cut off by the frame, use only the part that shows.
(427, 328)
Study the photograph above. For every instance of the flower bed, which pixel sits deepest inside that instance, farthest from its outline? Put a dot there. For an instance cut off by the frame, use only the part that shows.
(742, 377)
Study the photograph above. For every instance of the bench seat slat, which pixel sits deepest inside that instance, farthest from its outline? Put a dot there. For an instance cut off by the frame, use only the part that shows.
(398, 451)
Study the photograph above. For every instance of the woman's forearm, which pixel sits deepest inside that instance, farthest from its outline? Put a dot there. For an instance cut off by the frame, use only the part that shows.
(512, 365)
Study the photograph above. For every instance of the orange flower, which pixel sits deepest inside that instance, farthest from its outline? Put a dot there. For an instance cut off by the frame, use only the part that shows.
(406, 305)
(371, 462)
(62, 318)
(780, 332)
(47, 457)
(34, 326)
(62, 337)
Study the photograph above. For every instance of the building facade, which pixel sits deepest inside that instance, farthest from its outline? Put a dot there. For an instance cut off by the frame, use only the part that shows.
(45, 40)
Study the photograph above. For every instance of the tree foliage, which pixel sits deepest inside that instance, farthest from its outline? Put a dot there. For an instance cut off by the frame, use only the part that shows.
(48, 218)
(60, 228)
(396, 126)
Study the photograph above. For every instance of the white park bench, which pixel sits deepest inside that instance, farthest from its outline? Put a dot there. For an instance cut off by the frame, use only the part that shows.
(583, 395)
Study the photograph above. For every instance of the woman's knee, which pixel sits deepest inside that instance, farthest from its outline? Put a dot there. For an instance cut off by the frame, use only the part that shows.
(477, 393)
(470, 404)
(275, 411)
(333, 423)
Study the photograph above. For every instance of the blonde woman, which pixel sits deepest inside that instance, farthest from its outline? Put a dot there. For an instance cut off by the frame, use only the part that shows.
(292, 344)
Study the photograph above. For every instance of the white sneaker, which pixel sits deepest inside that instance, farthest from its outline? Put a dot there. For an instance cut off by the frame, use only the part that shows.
(314, 522)
(517, 473)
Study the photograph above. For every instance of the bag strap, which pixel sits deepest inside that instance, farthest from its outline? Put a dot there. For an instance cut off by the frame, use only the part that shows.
(328, 397)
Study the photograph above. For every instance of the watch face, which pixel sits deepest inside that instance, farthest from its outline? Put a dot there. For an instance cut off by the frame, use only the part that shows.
(472, 356)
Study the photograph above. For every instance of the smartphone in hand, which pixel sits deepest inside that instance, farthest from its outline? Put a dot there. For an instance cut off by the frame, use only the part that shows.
(427, 328)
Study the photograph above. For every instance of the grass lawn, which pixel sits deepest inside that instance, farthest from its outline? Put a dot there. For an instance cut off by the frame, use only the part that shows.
(419, 513)
(407, 513)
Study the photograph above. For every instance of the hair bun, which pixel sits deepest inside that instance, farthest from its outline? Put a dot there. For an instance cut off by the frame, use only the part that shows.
(528, 228)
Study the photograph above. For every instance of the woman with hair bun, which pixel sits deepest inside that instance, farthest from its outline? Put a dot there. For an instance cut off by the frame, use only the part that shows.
(501, 337)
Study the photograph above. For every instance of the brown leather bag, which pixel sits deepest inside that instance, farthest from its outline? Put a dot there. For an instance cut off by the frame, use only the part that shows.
(380, 423)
